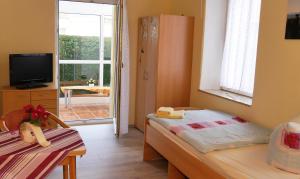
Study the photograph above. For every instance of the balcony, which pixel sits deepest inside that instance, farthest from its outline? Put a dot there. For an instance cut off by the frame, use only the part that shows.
(85, 61)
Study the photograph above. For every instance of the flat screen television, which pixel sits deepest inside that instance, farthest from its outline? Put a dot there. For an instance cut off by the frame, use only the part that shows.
(293, 26)
(30, 70)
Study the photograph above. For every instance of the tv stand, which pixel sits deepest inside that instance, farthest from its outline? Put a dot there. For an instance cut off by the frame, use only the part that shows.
(31, 86)
(12, 99)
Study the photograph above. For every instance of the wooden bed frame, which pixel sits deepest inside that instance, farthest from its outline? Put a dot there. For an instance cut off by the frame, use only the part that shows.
(181, 163)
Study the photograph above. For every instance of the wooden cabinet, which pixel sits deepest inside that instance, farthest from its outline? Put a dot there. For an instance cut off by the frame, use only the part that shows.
(165, 54)
(14, 99)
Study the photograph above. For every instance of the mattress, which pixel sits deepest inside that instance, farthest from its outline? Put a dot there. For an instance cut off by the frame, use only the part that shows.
(209, 130)
(241, 163)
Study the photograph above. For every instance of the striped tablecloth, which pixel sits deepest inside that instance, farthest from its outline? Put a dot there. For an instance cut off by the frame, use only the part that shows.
(20, 160)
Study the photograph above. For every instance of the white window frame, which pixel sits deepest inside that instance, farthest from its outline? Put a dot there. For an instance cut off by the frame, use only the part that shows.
(215, 22)
(101, 62)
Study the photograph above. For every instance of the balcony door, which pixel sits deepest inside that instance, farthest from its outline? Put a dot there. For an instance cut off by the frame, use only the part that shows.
(86, 61)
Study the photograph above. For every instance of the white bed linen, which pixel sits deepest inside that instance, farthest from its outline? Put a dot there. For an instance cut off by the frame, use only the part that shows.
(242, 163)
(208, 130)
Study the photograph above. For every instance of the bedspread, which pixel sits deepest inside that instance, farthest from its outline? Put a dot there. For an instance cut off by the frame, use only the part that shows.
(208, 130)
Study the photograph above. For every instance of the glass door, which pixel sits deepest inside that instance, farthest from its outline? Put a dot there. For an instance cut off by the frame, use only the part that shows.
(86, 52)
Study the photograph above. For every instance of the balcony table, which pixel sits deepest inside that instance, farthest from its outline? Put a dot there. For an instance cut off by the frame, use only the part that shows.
(67, 90)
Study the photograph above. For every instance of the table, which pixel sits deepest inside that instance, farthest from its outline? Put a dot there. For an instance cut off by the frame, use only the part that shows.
(66, 145)
(67, 90)
(69, 163)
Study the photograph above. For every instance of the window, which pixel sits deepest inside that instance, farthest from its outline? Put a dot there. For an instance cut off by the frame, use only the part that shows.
(240, 49)
(85, 42)
(230, 48)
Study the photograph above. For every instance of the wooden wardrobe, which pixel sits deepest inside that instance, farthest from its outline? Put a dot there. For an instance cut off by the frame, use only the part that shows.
(165, 53)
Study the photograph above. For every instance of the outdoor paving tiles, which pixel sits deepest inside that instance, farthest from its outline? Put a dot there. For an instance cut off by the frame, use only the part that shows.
(84, 112)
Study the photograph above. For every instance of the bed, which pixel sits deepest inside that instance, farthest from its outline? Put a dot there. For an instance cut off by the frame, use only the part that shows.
(186, 161)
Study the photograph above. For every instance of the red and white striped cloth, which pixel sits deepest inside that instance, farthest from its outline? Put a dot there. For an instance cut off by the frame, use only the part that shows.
(20, 160)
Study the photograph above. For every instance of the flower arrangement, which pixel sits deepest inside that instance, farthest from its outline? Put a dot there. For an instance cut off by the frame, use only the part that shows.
(37, 116)
(30, 127)
(91, 81)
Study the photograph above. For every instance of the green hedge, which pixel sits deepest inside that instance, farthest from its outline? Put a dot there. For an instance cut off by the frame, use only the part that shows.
(107, 48)
(83, 48)
(78, 47)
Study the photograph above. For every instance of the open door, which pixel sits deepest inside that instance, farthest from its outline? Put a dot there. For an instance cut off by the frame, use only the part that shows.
(87, 43)
(122, 67)
(94, 56)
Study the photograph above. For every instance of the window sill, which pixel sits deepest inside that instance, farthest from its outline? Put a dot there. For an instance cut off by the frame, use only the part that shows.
(230, 96)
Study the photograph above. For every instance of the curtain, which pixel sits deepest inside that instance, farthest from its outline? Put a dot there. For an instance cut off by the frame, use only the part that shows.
(240, 49)
(125, 73)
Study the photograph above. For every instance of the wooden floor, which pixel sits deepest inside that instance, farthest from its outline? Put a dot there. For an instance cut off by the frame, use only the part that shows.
(112, 158)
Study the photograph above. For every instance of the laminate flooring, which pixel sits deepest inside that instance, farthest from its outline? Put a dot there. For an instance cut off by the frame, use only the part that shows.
(109, 157)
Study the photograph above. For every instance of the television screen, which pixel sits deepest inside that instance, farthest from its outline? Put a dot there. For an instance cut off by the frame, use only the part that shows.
(30, 68)
(293, 26)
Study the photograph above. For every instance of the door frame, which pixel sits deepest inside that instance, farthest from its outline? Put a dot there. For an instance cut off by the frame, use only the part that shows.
(116, 65)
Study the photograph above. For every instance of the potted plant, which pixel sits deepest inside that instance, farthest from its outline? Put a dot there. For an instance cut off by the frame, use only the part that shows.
(91, 82)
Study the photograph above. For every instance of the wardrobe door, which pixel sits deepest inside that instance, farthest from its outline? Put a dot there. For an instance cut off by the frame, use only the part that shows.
(175, 60)
(147, 67)
(150, 75)
(141, 68)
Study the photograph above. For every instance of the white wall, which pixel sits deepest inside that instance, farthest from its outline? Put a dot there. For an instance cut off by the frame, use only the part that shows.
(214, 38)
